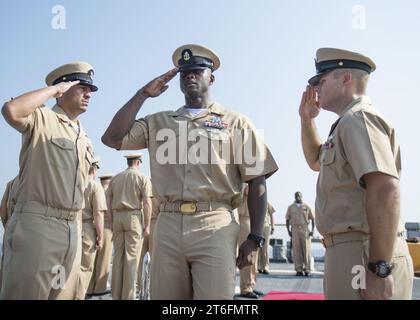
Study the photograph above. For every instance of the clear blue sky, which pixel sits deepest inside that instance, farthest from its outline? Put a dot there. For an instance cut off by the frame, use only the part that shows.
(267, 52)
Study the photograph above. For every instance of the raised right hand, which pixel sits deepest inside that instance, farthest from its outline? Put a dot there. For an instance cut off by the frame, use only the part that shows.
(63, 87)
(158, 85)
(309, 105)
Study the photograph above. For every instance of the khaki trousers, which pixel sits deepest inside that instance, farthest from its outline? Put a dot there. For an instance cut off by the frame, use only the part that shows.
(301, 248)
(1, 258)
(41, 258)
(146, 247)
(342, 257)
(263, 258)
(194, 256)
(99, 280)
(128, 240)
(88, 258)
(248, 275)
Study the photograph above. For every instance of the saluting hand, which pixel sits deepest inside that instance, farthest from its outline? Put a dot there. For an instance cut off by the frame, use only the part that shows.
(309, 105)
(158, 85)
(63, 87)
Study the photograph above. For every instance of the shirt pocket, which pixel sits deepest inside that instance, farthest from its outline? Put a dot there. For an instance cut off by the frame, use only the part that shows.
(327, 156)
(218, 135)
(216, 140)
(62, 153)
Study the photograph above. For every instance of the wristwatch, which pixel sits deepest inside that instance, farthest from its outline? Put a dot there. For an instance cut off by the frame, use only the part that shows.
(257, 239)
(381, 268)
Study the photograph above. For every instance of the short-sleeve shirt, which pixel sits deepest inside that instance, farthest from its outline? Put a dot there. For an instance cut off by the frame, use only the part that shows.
(299, 214)
(155, 208)
(9, 201)
(54, 160)
(269, 212)
(94, 199)
(362, 142)
(201, 158)
(243, 210)
(128, 189)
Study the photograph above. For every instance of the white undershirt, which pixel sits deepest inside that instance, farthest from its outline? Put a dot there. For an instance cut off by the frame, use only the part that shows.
(194, 111)
(75, 126)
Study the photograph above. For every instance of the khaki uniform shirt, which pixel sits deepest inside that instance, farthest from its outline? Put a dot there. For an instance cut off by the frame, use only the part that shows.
(128, 189)
(202, 157)
(54, 160)
(270, 211)
(9, 199)
(362, 142)
(94, 199)
(155, 208)
(299, 215)
(243, 211)
(106, 219)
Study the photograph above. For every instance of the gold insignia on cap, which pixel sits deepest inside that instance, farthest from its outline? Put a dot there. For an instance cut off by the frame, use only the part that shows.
(68, 69)
(186, 56)
(341, 63)
(186, 53)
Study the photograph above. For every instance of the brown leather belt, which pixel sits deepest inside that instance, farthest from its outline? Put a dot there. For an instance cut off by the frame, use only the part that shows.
(47, 211)
(337, 238)
(189, 207)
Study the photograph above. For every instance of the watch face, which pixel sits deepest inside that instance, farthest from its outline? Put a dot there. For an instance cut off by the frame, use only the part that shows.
(382, 269)
(259, 241)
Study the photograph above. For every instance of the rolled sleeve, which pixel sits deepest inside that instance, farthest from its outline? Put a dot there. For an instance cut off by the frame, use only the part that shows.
(252, 156)
(99, 200)
(367, 146)
(146, 189)
(311, 214)
(288, 214)
(137, 138)
(31, 122)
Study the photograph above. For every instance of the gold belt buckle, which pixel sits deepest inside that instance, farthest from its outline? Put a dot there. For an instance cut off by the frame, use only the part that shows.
(188, 208)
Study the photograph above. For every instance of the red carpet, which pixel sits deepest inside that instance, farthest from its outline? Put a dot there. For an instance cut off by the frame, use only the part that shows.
(284, 295)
